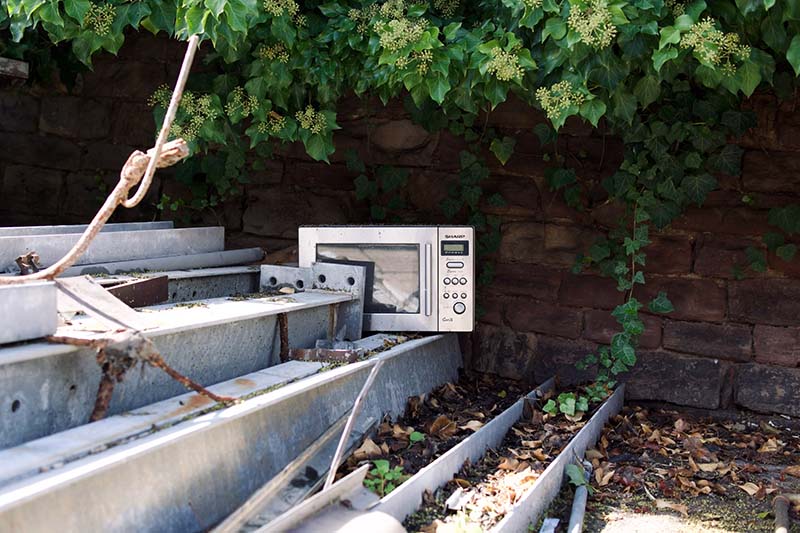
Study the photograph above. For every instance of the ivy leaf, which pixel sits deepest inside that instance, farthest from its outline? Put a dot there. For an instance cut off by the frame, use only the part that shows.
(592, 110)
(757, 259)
(697, 187)
(216, 6)
(318, 147)
(793, 54)
(392, 178)
(786, 218)
(438, 87)
(554, 27)
(786, 252)
(560, 177)
(739, 121)
(502, 149)
(624, 105)
(364, 187)
(647, 90)
(669, 35)
(749, 76)
(662, 56)
(546, 134)
(661, 304)
(728, 160)
(77, 9)
(772, 240)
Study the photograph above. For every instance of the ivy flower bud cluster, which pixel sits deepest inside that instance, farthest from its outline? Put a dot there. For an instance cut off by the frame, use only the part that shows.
(393, 9)
(504, 65)
(447, 8)
(276, 8)
(311, 120)
(677, 7)
(396, 34)
(99, 18)
(300, 20)
(424, 59)
(593, 23)
(532, 4)
(714, 47)
(273, 52)
(240, 101)
(197, 108)
(363, 17)
(557, 98)
(275, 123)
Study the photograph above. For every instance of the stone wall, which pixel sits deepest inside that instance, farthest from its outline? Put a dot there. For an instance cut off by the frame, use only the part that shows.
(729, 342)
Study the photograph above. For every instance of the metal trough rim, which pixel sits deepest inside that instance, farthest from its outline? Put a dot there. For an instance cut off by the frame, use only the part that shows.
(547, 486)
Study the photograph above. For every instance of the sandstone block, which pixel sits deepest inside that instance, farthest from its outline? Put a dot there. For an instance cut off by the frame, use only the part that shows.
(765, 301)
(769, 389)
(19, 112)
(599, 326)
(726, 341)
(777, 346)
(542, 317)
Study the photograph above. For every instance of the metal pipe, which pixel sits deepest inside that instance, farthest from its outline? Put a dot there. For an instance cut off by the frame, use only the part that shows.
(579, 502)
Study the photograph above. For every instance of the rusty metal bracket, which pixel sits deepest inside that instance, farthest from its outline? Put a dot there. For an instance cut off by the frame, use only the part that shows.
(347, 318)
(142, 292)
(28, 263)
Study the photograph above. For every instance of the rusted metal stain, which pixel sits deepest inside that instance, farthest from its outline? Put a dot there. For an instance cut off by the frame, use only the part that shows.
(283, 325)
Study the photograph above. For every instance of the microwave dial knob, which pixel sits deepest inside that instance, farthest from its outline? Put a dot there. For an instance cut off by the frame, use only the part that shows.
(459, 308)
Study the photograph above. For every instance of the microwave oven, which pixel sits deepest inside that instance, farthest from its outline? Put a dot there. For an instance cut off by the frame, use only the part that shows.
(417, 278)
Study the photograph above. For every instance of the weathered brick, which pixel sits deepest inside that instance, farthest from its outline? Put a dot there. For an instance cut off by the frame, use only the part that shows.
(522, 242)
(765, 301)
(310, 176)
(787, 268)
(135, 80)
(541, 317)
(271, 174)
(573, 239)
(19, 112)
(669, 255)
(276, 212)
(521, 196)
(599, 326)
(726, 341)
(693, 299)
(589, 291)
(769, 389)
(520, 279)
(717, 255)
(492, 308)
(44, 151)
(669, 377)
(106, 156)
(767, 171)
(132, 124)
(32, 190)
(514, 114)
(777, 346)
(71, 116)
(399, 136)
(427, 190)
(505, 352)
(557, 356)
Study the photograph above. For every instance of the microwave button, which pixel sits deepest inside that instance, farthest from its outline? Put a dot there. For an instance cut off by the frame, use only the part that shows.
(446, 296)
(463, 281)
(454, 281)
(463, 295)
(459, 308)
(447, 281)
(455, 264)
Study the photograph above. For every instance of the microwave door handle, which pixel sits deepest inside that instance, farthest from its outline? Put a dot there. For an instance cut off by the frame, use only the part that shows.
(427, 278)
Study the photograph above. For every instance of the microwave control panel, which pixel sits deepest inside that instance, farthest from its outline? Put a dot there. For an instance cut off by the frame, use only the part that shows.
(456, 278)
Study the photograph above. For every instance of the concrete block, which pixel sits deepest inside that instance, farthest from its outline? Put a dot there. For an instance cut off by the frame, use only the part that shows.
(27, 312)
(191, 261)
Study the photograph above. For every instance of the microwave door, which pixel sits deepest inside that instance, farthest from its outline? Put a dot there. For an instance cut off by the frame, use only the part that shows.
(398, 285)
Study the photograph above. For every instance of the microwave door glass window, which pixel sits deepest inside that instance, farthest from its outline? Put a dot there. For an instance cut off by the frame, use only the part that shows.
(392, 273)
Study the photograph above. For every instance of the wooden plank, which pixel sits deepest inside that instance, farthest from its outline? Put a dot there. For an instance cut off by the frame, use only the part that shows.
(12, 68)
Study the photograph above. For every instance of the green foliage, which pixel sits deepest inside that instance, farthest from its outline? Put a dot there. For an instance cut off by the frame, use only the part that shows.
(416, 437)
(577, 477)
(383, 479)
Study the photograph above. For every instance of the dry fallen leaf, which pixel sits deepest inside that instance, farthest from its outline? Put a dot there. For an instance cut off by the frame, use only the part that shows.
(709, 467)
(681, 426)
(750, 488)
(508, 463)
(593, 454)
(367, 450)
(771, 446)
(793, 470)
(473, 425)
(443, 427)
(664, 504)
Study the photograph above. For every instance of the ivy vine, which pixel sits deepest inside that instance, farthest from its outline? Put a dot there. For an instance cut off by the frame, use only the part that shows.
(666, 76)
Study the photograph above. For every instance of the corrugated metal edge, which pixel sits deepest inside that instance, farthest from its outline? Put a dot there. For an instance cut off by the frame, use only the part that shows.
(546, 488)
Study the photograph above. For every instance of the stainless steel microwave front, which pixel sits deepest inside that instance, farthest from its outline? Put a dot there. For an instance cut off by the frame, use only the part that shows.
(418, 278)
